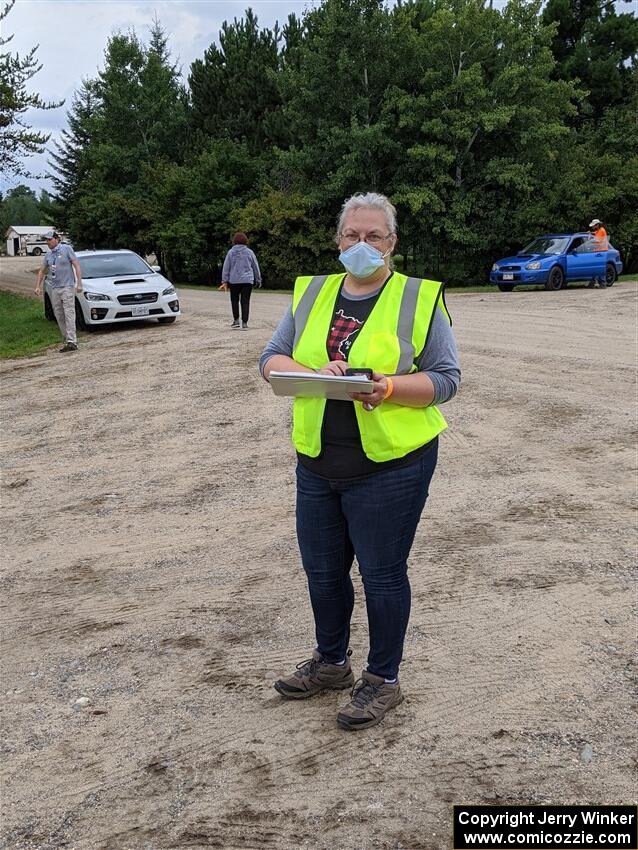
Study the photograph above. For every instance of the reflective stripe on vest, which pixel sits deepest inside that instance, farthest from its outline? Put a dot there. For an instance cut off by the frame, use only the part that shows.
(390, 340)
(405, 325)
(305, 305)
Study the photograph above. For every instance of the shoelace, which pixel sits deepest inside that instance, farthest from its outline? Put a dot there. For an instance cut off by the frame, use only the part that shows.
(307, 668)
(363, 692)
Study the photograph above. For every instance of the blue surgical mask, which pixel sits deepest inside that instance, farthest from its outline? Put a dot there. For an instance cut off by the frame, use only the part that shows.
(361, 259)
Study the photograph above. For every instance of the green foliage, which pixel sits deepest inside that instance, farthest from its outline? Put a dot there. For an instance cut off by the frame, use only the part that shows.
(193, 207)
(20, 207)
(286, 236)
(334, 91)
(69, 159)
(122, 125)
(598, 47)
(234, 91)
(478, 124)
(598, 177)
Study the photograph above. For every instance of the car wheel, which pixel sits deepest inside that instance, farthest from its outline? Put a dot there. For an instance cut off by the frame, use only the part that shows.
(167, 320)
(610, 274)
(556, 279)
(48, 309)
(36, 252)
(505, 287)
(80, 322)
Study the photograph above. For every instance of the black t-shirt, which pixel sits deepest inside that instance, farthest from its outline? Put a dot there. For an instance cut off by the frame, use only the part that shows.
(342, 454)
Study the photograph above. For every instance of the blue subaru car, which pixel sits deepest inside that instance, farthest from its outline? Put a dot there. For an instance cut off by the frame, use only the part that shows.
(555, 260)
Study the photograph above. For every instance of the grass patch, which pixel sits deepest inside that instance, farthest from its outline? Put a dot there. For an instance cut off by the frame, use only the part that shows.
(23, 328)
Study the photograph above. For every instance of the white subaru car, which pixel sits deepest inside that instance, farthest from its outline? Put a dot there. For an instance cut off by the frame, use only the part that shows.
(119, 286)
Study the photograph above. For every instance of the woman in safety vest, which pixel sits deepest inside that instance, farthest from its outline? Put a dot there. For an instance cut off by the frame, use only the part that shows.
(364, 466)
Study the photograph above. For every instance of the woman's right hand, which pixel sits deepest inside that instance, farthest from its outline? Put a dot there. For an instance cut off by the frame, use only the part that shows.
(335, 367)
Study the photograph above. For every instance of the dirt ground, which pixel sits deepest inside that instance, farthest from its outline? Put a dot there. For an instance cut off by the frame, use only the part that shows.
(151, 567)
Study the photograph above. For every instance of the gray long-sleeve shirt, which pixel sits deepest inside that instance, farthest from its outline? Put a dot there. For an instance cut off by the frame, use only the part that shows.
(241, 266)
(439, 359)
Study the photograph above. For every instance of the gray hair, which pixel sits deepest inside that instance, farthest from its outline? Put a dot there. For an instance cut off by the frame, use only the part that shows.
(371, 200)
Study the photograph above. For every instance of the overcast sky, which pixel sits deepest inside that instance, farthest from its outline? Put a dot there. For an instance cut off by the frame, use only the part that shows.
(72, 36)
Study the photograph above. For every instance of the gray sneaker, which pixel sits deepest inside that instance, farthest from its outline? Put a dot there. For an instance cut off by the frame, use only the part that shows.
(235, 324)
(372, 697)
(315, 675)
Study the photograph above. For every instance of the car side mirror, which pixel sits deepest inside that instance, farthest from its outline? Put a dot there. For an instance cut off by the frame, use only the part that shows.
(156, 269)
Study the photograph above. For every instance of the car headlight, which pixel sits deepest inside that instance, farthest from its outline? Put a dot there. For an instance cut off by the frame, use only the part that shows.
(533, 266)
(494, 268)
(96, 296)
(170, 290)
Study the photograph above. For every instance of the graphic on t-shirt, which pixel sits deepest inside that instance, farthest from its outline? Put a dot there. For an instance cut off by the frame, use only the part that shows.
(342, 335)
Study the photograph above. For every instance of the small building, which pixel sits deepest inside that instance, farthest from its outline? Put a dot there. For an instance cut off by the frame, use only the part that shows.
(24, 239)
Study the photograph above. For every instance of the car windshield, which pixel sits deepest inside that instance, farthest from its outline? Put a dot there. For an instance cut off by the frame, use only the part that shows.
(546, 245)
(112, 265)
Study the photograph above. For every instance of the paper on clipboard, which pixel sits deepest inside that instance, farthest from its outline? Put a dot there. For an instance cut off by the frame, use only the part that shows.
(312, 385)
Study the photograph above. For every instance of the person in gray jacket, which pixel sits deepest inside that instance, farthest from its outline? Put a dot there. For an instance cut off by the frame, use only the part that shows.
(239, 274)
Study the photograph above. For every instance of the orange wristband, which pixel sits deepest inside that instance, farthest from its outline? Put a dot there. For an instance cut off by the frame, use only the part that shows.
(390, 387)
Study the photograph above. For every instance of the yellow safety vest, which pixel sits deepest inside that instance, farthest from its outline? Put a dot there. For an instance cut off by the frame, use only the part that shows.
(390, 340)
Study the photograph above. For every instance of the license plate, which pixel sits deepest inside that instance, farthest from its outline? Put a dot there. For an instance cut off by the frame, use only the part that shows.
(508, 277)
(140, 311)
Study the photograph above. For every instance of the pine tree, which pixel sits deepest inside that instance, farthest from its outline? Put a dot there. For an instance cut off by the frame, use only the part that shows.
(234, 92)
(68, 159)
(123, 125)
(17, 139)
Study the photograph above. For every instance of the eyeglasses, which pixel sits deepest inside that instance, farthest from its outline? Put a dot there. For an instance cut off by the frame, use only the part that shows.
(371, 238)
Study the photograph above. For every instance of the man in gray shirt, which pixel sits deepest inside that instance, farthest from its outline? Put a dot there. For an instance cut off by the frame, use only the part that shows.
(65, 278)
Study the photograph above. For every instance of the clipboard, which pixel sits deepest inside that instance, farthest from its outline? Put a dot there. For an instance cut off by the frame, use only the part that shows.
(312, 385)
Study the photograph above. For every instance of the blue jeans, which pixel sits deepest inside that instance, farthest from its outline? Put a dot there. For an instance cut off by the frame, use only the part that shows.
(374, 518)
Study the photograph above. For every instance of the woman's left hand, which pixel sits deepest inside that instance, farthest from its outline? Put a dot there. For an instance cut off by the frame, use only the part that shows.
(373, 399)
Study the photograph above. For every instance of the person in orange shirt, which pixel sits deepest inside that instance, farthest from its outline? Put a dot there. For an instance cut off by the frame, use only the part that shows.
(599, 234)
(601, 243)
